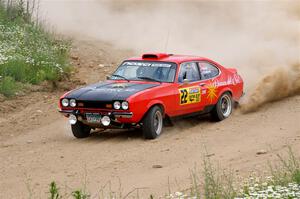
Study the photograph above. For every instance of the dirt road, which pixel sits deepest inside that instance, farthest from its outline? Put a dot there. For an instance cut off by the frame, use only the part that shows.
(36, 145)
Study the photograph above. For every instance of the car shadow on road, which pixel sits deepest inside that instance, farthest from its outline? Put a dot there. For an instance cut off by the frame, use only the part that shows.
(189, 122)
(136, 134)
(117, 134)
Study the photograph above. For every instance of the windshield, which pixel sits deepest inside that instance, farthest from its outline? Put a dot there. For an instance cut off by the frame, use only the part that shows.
(146, 71)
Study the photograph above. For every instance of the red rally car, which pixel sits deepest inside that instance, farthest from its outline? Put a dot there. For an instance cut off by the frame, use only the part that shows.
(146, 91)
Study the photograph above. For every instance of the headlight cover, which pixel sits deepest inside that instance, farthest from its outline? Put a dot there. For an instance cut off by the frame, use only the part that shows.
(125, 105)
(72, 103)
(65, 102)
(117, 105)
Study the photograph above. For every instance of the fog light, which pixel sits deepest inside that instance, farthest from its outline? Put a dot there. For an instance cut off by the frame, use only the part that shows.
(105, 120)
(72, 119)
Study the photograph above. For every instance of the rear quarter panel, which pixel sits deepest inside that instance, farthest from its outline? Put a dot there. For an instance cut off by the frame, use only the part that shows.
(231, 81)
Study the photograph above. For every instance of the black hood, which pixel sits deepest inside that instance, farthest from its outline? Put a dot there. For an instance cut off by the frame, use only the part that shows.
(108, 91)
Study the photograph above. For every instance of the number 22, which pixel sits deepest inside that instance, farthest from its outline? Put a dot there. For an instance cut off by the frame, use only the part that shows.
(184, 94)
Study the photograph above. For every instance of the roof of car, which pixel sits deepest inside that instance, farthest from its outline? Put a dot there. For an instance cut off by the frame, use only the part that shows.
(167, 57)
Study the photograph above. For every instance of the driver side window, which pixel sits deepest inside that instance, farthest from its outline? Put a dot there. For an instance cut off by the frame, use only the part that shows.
(188, 71)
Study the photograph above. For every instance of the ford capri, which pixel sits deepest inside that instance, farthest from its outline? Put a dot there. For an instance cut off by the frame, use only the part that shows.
(147, 92)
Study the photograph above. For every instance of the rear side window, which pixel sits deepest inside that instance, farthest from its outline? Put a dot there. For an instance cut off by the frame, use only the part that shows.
(189, 71)
(208, 70)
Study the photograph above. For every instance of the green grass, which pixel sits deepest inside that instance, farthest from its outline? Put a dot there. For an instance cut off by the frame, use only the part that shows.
(79, 194)
(28, 53)
(54, 191)
(283, 181)
(218, 184)
(287, 171)
(8, 86)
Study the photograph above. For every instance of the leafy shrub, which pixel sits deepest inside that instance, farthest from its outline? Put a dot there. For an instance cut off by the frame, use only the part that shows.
(8, 86)
(28, 53)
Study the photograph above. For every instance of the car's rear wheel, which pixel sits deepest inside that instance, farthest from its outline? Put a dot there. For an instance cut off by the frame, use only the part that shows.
(153, 123)
(223, 108)
(80, 130)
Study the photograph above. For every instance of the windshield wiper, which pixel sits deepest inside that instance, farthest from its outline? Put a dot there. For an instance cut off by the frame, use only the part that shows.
(149, 78)
(121, 77)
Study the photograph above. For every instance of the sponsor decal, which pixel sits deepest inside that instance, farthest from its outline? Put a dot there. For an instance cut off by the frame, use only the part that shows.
(212, 88)
(211, 91)
(190, 95)
(237, 79)
(217, 83)
(230, 81)
(108, 90)
(147, 64)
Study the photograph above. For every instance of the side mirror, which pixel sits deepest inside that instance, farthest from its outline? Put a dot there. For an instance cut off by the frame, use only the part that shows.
(186, 81)
(108, 77)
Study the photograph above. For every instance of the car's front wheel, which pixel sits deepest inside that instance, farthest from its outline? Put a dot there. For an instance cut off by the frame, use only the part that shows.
(80, 130)
(153, 123)
(223, 108)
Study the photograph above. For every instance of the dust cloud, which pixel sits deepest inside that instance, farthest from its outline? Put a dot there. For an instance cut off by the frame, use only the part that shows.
(282, 83)
(256, 37)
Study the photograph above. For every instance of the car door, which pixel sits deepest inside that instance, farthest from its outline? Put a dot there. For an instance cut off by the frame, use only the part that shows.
(188, 89)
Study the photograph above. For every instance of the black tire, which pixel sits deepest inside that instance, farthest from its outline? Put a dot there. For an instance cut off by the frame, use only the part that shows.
(80, 130)
(223, 108)
(153, 123)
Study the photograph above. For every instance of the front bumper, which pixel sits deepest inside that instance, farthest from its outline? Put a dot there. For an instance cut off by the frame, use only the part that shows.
(117, 118)
(112, 113)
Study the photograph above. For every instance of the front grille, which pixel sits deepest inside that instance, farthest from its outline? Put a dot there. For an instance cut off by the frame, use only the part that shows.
(93, 104)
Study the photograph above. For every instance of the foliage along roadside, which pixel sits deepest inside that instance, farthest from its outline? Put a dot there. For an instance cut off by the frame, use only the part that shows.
(28, 53)
(215, 183)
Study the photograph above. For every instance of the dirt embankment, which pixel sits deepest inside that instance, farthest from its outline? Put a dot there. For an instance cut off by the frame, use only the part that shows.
(38, 105)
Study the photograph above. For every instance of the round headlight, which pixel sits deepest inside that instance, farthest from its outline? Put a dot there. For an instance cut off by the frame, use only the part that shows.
(125, 105)
(65, 102)
(73, 102)
(117, 105)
